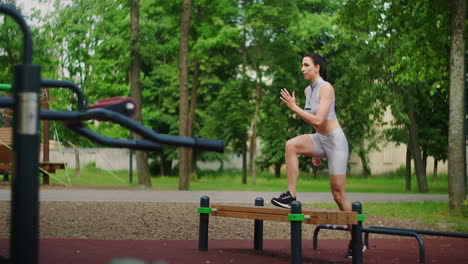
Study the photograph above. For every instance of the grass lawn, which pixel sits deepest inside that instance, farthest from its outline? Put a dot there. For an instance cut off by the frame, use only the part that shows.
(231, 180)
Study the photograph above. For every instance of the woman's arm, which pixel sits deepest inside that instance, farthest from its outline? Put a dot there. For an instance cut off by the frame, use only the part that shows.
(325, 100)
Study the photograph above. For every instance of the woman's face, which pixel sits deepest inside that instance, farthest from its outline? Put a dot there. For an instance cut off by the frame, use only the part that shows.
(309, 69)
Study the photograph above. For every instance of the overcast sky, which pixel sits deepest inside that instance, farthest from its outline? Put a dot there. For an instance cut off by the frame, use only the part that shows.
(28, 5)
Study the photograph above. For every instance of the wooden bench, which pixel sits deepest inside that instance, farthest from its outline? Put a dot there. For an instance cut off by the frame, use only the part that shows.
(281, 215)
(295, 216)
(6, 158)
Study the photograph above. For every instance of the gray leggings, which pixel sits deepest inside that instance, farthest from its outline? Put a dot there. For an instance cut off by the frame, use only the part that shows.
(334, 146)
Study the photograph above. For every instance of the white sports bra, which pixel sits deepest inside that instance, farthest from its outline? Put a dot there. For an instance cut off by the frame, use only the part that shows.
(312, 101)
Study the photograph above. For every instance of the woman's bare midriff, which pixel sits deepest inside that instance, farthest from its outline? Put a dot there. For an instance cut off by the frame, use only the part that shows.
(327, 126)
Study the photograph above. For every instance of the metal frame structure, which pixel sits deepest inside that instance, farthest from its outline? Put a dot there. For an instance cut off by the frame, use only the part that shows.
(295, 216)
(24, 240)
(416, 233)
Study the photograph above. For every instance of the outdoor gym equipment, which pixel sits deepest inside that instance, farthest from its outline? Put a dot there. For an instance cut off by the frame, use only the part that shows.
(24, 241)
(296, 217)
(416, 233)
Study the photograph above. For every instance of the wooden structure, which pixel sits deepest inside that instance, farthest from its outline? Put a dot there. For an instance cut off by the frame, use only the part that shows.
(281, 215)
(295, 216)
(6, 158)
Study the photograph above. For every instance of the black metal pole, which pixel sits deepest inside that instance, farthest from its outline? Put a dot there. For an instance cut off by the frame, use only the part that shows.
(422, 249)
(356, 236)
(204, 220)
(324, 226)
(70, 85)
(24, 244)
(296, 234)
(27, 37)
(24, 203)
(258, 228)
(424, 232)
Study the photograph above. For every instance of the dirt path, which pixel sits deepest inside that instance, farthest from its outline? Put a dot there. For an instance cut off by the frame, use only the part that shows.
(159, 221)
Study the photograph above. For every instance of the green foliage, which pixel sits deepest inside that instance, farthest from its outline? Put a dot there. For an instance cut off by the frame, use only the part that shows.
(395, 55)
(383, 55)
(464, 209)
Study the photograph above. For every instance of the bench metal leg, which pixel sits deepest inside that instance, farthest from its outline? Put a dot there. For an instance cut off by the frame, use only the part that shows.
(356, 236)
(204, 220)
(258, 228)
(296, 234)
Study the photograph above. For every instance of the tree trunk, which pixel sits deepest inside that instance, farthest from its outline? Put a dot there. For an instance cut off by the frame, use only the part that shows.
(408, 168)
(191, 119)
(456, 144)
(364, 161)
(278, 170)
(253, 150)
(434, 172)
(253, 138)
(77, 163)
(135, 91)
(417, 157)
(244, 163)
(366, 172)
(166, 165)
(243, 85)
(424, 160)
(184, 166)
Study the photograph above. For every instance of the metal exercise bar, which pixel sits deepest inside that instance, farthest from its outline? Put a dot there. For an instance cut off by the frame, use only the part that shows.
(27, 38)
(107, 115)
(154, 140)
(369, 230)
(422, 249)
(424, 232)
(56, 84)
(24, 239)
(70, 85)
(7, 102)
(24, 245)
(145, 145)
(320, 227)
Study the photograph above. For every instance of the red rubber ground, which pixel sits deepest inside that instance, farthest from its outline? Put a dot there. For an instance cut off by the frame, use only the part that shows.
(438, 250)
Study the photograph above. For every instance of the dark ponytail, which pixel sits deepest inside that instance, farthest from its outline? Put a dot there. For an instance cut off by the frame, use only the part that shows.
(318, 60)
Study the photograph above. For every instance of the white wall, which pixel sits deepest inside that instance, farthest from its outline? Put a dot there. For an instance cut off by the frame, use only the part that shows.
(118, 159)
(388, 160)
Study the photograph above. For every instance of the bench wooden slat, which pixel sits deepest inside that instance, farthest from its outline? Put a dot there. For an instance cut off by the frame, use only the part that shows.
(252, 209)
(258, 216)
(279, 214)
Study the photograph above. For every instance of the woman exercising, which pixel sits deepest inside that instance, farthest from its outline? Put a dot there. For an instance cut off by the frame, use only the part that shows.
(329, 140)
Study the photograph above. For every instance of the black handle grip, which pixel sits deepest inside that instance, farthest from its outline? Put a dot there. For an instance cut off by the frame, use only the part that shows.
(209, 144)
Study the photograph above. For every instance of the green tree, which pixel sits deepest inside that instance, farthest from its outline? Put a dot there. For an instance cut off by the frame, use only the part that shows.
(184, 167)
(457, 143)
(134, 77)
(410, 65)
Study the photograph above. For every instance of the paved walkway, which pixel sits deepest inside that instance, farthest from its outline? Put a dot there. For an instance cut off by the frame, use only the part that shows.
(215, 196)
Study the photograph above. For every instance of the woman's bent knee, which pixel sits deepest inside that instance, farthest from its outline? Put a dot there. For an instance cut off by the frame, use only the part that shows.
(290, 145)
(338, 197)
